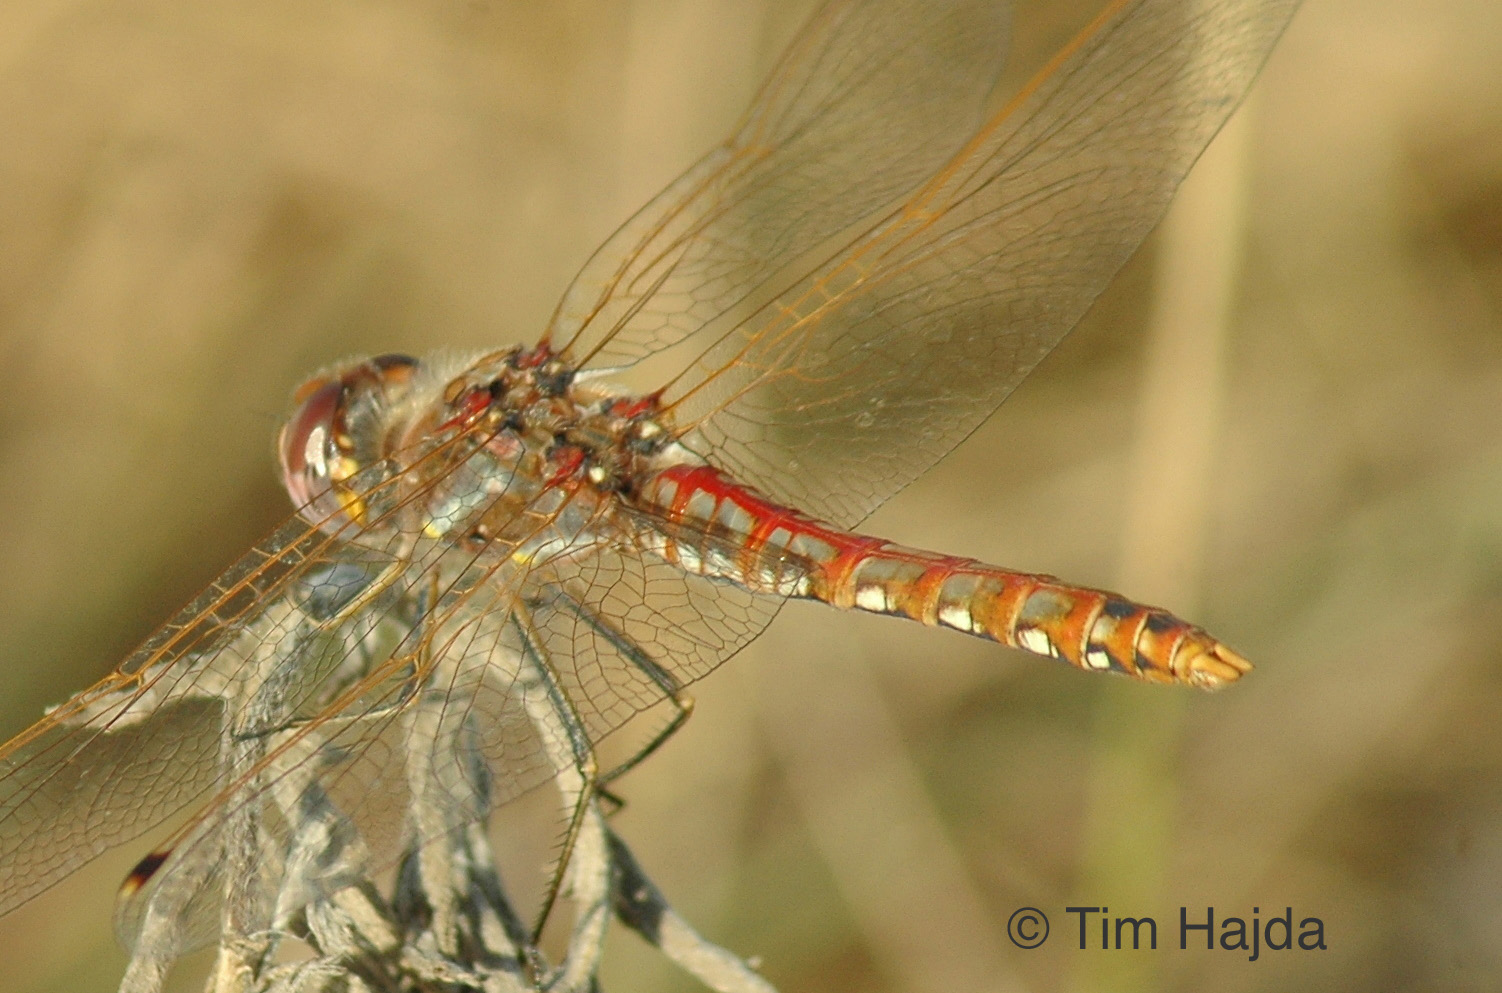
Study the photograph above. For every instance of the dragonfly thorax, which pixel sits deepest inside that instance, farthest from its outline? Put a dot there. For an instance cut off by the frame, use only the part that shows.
(392, 446)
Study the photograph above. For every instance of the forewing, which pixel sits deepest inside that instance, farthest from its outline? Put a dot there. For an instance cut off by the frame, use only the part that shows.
(625, 630)
(320, 684)
(411, 706)
(840, 391)
(133, 749)
(842, 375)
(423, 734)
(870, 99)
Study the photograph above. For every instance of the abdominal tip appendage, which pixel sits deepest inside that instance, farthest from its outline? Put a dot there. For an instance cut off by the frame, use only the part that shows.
(1209, 665)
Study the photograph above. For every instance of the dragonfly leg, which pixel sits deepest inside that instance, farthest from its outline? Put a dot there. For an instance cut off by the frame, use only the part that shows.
(565, 741)
(590, 883)
(666, 683)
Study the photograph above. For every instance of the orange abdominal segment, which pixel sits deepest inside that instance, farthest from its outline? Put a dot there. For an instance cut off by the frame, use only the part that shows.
(719, 528)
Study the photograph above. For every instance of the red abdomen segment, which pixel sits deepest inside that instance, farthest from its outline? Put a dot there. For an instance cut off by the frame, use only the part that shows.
(716, 527)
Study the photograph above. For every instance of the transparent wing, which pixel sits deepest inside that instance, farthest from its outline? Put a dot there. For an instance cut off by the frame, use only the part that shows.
(512, 676)
(335, 703)
(868, 101)
(835, 378)
(335, 700)
(130, 751)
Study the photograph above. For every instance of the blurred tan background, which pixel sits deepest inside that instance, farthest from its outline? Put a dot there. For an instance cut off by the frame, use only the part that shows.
(201, 204)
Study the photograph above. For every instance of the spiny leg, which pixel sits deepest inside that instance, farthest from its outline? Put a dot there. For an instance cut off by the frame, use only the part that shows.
(565, 742)
(666, 683)
(591, 880)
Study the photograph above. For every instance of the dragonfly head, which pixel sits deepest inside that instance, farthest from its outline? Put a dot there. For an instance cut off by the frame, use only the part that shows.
(327, 440)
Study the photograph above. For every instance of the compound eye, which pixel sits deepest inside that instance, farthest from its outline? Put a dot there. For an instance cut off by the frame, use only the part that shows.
(305, 442)
(318, 447)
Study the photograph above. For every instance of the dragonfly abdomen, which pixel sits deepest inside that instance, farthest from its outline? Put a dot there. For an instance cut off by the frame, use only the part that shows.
(722, 529)
(1090, 629)
(708, 524)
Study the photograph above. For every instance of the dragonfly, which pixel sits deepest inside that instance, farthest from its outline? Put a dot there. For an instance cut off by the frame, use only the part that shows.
(497, 561)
